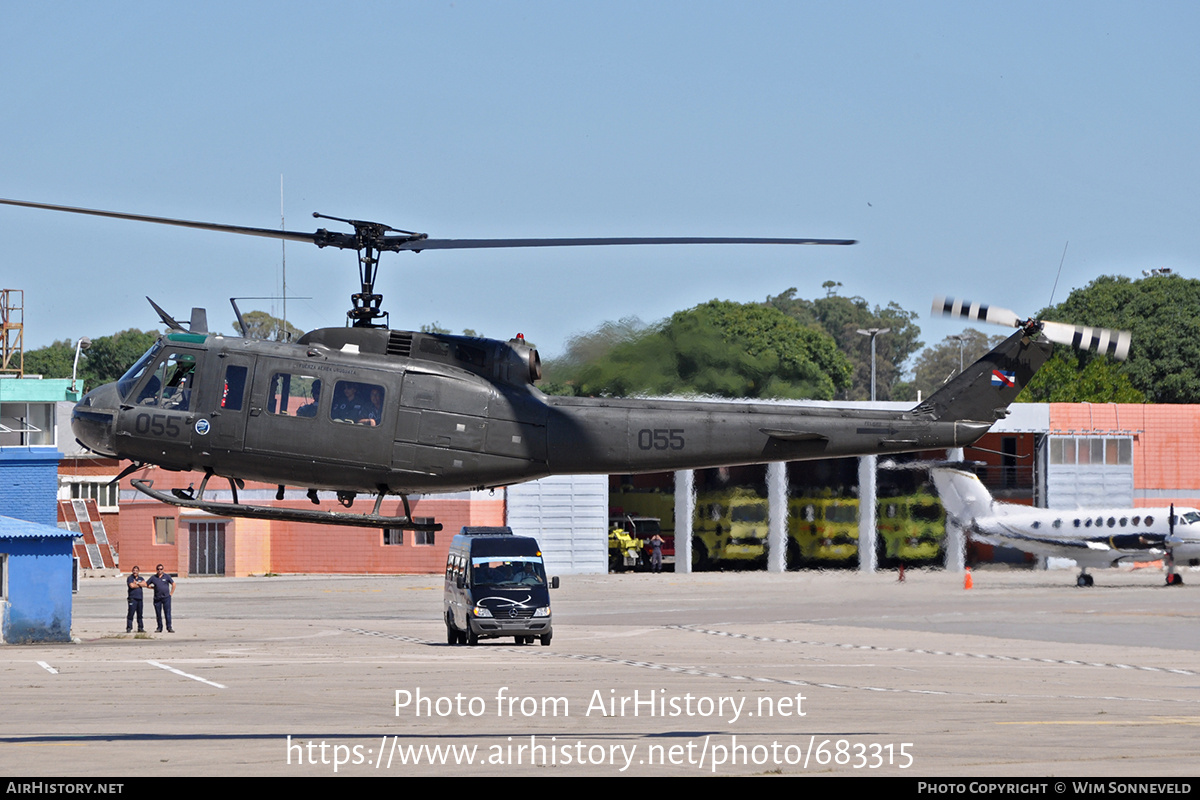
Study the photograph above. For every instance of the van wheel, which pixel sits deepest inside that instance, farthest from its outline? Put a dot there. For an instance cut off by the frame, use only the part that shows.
(546, 640)
(472, 638)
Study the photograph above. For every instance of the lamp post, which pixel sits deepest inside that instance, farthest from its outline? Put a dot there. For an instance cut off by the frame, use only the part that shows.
(83, 344)
(960, 338)
(866, 482)
(873, 332)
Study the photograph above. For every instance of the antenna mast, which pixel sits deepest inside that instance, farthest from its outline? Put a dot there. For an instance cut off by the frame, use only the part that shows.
(283, 252)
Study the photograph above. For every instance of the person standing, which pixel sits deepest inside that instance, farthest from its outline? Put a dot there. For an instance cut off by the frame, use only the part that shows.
(656, 546)
(163, 587)
(135, 584)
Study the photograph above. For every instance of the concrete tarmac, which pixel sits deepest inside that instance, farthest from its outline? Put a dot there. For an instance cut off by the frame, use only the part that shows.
(726, 674)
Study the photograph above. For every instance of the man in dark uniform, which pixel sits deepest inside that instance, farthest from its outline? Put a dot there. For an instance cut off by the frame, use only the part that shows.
(135, 584)
(163, 587)
(349, 407)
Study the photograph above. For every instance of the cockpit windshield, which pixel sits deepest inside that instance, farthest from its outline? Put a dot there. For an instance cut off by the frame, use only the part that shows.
(130, 378)
(508, 572)
(1190, 518)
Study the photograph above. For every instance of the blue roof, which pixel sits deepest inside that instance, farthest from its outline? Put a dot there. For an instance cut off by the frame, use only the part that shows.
(21, 529)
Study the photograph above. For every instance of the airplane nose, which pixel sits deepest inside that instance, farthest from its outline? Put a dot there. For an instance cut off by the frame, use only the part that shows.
(94, 420)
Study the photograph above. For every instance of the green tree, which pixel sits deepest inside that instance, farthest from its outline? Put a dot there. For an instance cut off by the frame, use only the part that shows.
(1161, 313)
(54, 361)
(1061, 380)
(842, 318)
(562, 373)
(110, 356)
(261, 325)
(718, 348)
(939, 363)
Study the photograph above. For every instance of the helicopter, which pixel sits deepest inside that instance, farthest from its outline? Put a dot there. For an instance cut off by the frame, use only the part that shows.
(366, 409)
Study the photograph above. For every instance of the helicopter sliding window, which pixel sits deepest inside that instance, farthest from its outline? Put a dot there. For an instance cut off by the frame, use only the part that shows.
(234, 389)
(171, 384)
(294, 395)
(357, 403)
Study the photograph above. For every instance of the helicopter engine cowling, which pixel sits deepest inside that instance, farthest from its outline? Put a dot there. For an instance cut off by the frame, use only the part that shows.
(528, 357)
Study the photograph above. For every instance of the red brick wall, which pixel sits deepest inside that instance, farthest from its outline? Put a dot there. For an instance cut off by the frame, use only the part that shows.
(258, 546)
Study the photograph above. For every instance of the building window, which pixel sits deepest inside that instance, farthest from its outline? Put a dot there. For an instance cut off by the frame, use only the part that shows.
(26, 424)
(3, 576)
(1109, 451)
(393, 536)
(423, 537)
(164, 530)
(104, 492)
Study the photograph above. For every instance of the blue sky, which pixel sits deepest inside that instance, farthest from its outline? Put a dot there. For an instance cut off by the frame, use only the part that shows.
(964, 144)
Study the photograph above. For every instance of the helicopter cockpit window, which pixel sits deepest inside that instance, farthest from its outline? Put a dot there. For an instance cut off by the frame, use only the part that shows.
(357, 403)
(133, 374)
(294, 395)
(171, 384)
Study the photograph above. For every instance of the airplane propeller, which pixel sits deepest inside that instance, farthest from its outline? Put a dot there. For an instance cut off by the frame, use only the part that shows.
(1104, 340)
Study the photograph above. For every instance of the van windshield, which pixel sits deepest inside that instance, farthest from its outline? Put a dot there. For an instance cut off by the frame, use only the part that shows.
(508, 571)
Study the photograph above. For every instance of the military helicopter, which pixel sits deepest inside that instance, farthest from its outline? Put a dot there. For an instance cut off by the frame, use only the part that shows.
(369, 410)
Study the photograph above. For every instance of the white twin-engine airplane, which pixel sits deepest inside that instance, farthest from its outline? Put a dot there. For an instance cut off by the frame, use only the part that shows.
(1093, 537)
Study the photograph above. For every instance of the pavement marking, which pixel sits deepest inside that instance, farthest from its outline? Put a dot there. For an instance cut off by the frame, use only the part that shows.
(1151, 721)
(921, 651)
(682, 670)
(662, 667)
(184, 674)
(47, 667)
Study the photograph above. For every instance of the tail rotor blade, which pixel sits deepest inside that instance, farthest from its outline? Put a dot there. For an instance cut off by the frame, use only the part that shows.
(948, 306)
(1104, 340)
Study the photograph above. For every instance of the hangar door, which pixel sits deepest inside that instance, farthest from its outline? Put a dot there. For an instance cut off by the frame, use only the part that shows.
(1090, 472)
(206, 548)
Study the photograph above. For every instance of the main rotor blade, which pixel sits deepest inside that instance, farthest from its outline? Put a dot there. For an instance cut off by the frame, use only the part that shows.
(183, 223)
(415, 242)
(397, 243)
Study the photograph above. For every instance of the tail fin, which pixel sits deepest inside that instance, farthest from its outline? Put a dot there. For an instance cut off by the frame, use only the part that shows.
(983, 391)
(963, 494)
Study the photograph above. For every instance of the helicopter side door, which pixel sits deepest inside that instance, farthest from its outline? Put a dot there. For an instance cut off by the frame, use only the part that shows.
(228, 408)
(325, 424)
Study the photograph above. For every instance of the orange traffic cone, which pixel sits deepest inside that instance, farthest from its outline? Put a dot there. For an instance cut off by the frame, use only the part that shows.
(967, 582)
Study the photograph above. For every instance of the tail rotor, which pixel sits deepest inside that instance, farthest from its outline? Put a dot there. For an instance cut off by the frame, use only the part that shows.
(1103, 340)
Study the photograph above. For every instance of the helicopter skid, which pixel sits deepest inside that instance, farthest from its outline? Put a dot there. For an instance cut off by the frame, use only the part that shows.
(283, 514)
